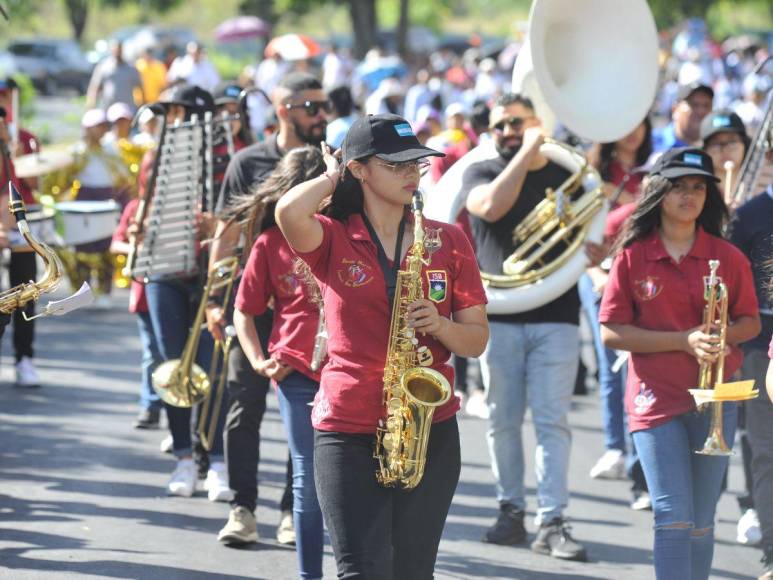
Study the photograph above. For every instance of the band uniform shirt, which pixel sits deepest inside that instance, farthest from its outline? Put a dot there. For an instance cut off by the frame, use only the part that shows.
(648, 289)
(358, 315)
(752, 232)
(26, 140)
(493, 240)
(270, 272)
(249, 167)
(137, 300)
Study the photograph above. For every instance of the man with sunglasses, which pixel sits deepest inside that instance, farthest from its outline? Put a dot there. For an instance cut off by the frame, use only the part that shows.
(301, 108)
(532, 357)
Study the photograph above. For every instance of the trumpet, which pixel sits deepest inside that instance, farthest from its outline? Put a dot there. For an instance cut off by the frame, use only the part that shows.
(711, 388)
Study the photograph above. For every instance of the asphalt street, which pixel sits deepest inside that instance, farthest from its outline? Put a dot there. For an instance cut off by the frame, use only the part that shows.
(82, 492)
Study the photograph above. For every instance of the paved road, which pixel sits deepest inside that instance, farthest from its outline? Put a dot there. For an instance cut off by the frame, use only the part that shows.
(81, 492)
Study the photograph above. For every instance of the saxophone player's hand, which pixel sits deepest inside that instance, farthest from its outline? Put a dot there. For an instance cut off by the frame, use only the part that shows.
(424, 317)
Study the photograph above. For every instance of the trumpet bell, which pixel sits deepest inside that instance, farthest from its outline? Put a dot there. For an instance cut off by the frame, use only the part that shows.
(591, 64)
(180, 390)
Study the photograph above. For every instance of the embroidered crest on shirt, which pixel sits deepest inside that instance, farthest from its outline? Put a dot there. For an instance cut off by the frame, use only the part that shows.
(321, 408)
(354, 274)
(648, 288)
(643, 400)
(432, 241)
(438, 283)
(288, 283)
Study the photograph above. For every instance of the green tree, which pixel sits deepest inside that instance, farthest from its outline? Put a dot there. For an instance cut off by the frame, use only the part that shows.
(78, 10)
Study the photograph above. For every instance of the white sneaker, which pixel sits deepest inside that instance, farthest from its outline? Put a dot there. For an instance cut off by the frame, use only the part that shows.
(166, 444)
(749, 532)
(26, 375)
(611, 465)
(285, 533)
(476, 405)
(641, 501)
(183, 480)
(216, 484)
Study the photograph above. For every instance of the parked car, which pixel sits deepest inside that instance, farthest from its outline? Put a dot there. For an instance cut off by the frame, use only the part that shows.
(136, 39)
(51, 63)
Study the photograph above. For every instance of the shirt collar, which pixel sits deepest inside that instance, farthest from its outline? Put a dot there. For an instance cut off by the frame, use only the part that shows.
(701, 248)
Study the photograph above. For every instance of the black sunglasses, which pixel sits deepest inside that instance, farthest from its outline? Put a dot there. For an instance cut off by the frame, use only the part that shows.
(312, 108)
(514, 123)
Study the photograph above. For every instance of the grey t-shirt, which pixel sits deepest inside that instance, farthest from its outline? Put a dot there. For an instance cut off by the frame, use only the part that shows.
(115, 82)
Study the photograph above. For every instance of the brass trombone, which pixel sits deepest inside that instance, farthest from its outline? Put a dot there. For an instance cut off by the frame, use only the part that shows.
(711, 375)
(181, 382)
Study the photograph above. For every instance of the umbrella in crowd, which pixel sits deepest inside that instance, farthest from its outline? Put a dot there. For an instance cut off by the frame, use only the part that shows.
(293, 47)
(242, 27)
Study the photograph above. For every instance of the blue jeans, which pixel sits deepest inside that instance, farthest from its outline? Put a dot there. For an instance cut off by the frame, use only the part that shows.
(532, 365)
(151, 358)
(611, 384)
(172, 306)
(685, 488)
(295, 394)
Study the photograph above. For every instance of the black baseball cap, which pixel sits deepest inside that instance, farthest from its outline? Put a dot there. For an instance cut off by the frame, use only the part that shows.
(686, 91)
(227, 92)
(684, 161)
(192, 97)
(721, 121)
(388, 137)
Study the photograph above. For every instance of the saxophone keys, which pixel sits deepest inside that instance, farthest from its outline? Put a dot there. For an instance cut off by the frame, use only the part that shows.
(424, 356)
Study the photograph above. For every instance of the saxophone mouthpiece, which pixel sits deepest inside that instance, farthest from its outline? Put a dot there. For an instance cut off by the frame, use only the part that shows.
(418, 202)
(15, 203)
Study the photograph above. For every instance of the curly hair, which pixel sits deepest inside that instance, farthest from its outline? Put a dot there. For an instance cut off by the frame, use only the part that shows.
(254, 211)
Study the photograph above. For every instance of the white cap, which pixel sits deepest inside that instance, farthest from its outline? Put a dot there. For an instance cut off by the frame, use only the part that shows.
(454, 109)
(119, 111)
(92, 118)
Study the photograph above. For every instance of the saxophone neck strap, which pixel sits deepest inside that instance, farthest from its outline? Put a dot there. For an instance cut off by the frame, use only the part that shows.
(389, 270)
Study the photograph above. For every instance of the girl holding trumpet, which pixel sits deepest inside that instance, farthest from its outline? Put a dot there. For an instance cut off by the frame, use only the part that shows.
(653, 307)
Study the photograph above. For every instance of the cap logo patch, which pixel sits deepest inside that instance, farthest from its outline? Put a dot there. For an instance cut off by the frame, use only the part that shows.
(404, 130)
(721, 121)
(692, 159)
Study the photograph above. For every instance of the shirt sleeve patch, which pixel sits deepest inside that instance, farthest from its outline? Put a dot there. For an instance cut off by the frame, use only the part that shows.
(438, 284)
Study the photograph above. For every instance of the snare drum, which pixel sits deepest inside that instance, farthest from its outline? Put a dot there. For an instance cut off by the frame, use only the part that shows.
(88, 221)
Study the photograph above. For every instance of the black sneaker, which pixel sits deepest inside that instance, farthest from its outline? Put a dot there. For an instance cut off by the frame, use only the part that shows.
(147, 419)
(553, 539)
(767, 564)
(509, 529)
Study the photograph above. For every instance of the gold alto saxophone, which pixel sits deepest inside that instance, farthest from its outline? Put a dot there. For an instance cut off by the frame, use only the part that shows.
(411, 392)
(19, 296)
(319, 354)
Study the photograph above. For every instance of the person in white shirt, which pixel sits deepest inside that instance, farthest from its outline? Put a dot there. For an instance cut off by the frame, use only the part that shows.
(194, 69)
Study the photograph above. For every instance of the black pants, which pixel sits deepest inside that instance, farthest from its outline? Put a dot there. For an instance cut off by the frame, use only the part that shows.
(247, 392)
(380, 533)
(22, 269)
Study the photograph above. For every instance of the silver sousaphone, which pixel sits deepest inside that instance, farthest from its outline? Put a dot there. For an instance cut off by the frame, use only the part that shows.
(593, 67)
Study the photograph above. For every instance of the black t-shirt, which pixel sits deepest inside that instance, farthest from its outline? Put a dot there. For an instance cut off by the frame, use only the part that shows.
(752, 231)
(248, 168)
(494, 240)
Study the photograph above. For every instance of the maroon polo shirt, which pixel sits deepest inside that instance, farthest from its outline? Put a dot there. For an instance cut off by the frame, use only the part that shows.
(137, 300)
(358, 316)
(270, 272)
(648, 289)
